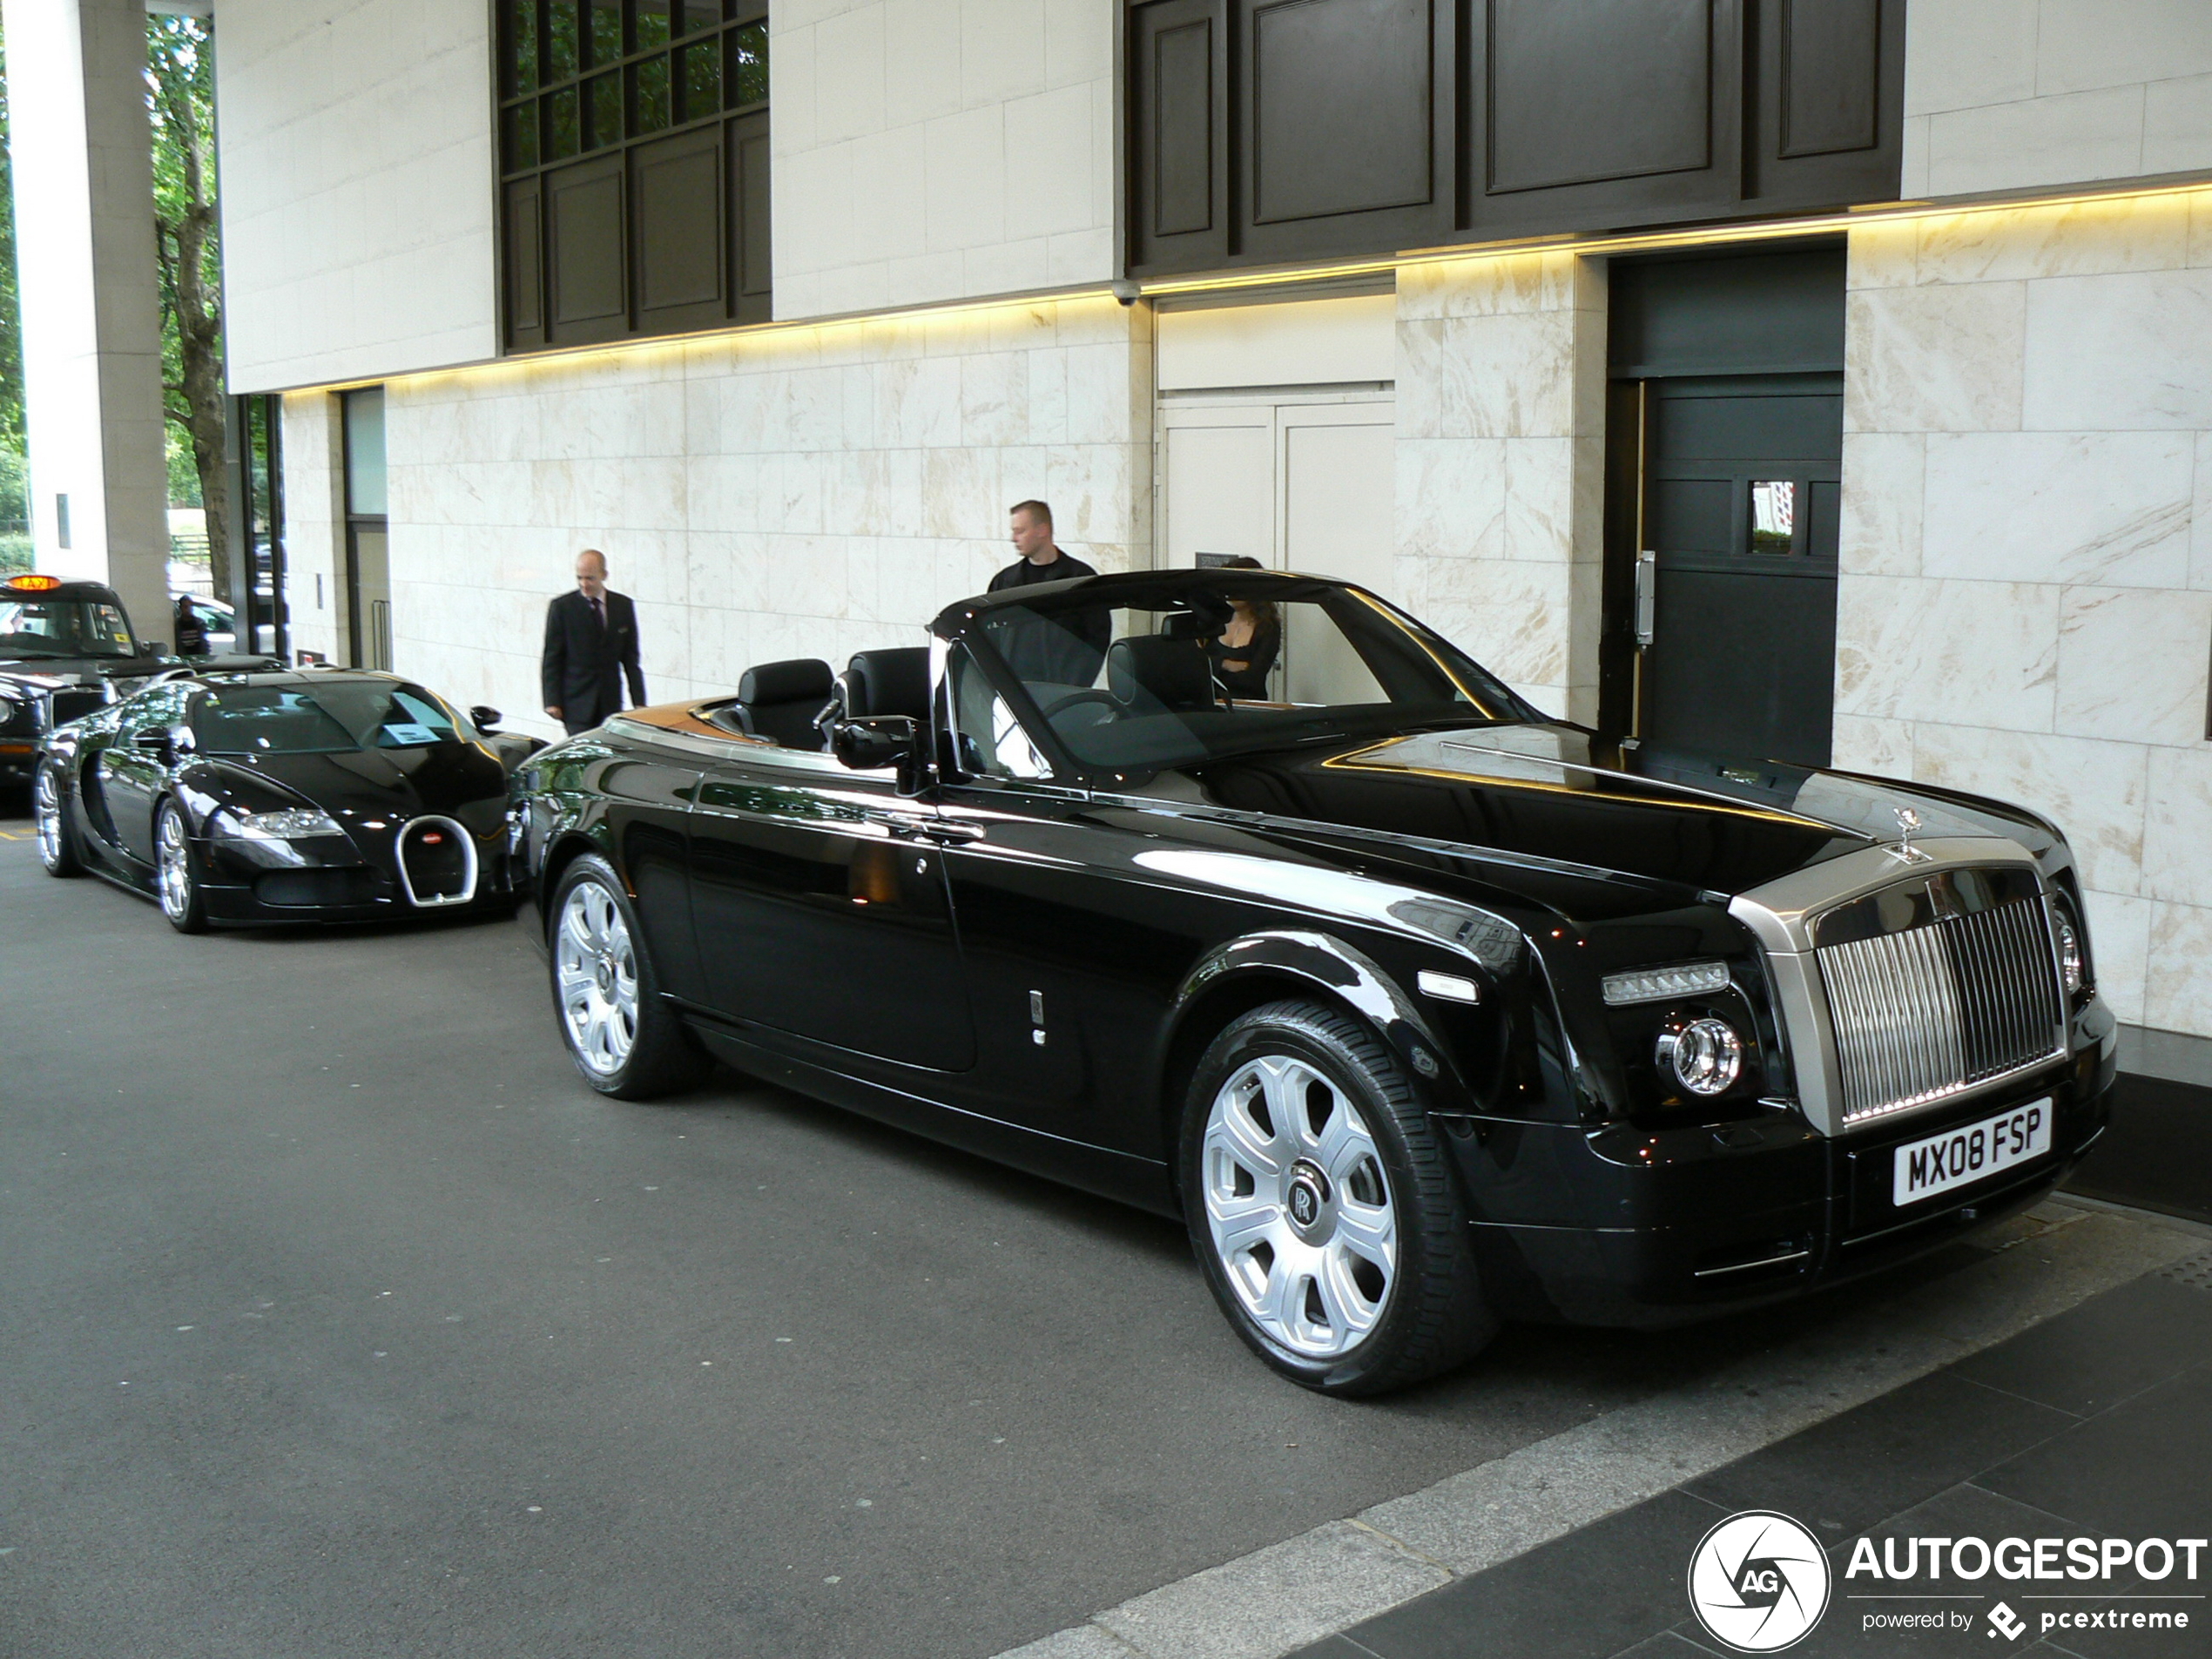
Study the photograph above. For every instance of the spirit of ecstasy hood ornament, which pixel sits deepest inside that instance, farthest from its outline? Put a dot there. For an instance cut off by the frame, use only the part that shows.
(1904, 852)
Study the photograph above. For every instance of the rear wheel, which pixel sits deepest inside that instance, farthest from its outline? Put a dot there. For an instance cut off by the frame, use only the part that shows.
(1320, 1206)
(624, 1039)
(179, 882)
(57, 849)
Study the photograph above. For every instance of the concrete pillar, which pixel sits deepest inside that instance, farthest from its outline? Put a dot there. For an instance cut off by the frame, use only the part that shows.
(82, 153)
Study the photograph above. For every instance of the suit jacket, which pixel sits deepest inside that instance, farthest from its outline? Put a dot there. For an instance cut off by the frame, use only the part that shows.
(585, 665)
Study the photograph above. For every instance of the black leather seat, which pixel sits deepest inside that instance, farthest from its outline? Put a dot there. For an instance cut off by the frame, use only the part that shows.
(1148, 673)
(780, 701)
(888, 682)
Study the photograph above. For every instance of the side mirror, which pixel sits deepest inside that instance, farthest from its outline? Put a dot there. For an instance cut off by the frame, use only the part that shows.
(155, 741)
(873, 744)
(486, 718)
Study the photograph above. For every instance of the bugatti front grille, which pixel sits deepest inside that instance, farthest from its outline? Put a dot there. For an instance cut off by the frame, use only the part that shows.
(1956, 998)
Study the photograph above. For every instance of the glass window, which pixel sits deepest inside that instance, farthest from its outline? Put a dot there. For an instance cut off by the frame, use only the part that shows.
(1774, 515)
(36, 628)
(1264, 661)
(522, 136)
(692, 16)
(364, 489)
(561, 25)
(563, 131)
(747, 77)
(322, 719)
(992, 742)
(700, 78)
(602, 24)
(652, 23)
(603, 96)
(653, 112)
(522, 45)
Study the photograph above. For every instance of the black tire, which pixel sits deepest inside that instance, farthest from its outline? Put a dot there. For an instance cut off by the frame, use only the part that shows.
(659, 1055)
(1301, 1308)
(58, 852)
(176, 876)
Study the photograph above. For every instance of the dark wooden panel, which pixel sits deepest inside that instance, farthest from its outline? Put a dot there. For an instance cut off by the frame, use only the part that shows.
(1342, 107)
(523, 231)
(1182, 129)
(1583, 90)
(1177, 100)
(677, 195)
(585, 245)
(1831, 62)
(1748, 313)
(749, 221)
(1826, 127)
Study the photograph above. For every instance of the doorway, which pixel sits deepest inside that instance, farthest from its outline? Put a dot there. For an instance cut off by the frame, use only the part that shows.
(368, 567)
(1725, 461)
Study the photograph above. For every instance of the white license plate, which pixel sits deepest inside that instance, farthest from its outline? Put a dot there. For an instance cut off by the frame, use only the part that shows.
(1958, 1157)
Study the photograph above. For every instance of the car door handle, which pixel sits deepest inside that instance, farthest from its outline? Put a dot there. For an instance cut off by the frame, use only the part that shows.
(941, 831)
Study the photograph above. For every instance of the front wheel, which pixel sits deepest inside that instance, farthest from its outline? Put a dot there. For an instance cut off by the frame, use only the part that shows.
(625, 1040)
(56, 839)
(1329, 1227)
(181, 900)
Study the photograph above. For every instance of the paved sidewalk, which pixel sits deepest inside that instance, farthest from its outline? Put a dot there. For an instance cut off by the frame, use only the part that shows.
(2096, 1424)
(2062, 1347)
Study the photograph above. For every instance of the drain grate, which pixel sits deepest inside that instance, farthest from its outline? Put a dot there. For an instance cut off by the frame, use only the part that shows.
(2196, 1271)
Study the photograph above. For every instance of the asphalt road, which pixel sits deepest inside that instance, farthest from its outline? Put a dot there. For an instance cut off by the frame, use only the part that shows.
(338, 1318)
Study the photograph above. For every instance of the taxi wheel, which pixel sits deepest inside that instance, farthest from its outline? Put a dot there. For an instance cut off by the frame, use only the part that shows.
(625, 1040)
(1322, 1207)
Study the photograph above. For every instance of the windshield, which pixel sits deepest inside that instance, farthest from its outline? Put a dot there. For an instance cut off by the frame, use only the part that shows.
(33, 628)
(324, 719)
(1255, 664)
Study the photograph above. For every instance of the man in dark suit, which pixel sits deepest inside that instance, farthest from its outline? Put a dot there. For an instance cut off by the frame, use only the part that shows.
(590, 644)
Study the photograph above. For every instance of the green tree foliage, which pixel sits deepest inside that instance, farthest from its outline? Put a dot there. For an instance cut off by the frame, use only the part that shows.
(180, 102)
(11, 426)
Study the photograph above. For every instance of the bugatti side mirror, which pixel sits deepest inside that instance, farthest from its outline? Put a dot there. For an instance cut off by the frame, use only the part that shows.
(487, 719)
(155, 741)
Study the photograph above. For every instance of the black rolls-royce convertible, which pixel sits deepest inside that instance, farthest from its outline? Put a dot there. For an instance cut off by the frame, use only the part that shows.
(298, 795)
(1424, 1011)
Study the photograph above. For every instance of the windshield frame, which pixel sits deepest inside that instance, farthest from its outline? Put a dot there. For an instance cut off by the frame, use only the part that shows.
(1490, 701)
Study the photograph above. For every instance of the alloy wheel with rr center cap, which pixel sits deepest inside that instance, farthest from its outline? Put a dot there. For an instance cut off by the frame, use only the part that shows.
(626, 1039)
(1321, 1207)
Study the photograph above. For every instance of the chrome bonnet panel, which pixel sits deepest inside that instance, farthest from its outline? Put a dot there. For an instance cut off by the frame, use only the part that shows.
(1916, 1013)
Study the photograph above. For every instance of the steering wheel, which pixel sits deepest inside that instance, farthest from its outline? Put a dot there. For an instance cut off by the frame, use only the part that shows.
(1074, 698)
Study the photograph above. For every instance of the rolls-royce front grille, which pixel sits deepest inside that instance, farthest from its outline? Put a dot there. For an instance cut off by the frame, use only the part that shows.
(1950, 983)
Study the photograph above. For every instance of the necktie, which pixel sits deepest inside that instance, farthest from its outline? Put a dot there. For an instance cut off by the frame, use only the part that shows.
(598, 614)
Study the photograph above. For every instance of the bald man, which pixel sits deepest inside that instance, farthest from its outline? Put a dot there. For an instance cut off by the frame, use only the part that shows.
(590, 645)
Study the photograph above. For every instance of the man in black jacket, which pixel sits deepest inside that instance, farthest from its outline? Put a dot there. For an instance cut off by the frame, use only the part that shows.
(1069, 650)
(590, 644)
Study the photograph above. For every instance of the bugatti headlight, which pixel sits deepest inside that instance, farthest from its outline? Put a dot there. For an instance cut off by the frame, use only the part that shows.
(286, 824)
(1704, 1055)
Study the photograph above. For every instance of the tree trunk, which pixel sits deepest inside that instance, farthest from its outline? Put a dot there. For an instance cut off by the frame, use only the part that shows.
(195, 294)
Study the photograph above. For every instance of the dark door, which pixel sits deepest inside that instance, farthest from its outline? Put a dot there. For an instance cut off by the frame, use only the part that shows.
(130, 780)
(1742, 481)
(821, 911)
(1723, 457)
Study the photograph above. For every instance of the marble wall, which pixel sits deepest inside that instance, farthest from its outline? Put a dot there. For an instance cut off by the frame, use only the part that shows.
(1500, 464)
(2025, 605)
(787, 492)
(2022, 94)
(929, 150)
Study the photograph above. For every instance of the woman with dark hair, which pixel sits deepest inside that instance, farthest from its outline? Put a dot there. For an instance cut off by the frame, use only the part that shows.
(1247, 647)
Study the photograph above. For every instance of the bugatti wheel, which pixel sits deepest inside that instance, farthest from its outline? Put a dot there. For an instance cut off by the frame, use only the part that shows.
(57, 849)
(178, 879)
(1321, 1207)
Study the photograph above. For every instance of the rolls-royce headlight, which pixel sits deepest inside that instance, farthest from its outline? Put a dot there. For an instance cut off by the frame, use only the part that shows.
(1705, 1055)
(286, 824)
(2073, 965)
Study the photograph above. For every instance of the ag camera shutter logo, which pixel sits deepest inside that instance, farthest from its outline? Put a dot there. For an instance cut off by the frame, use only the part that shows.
(1758, 1582)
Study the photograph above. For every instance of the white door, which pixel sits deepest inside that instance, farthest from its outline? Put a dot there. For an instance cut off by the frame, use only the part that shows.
(1301, 483)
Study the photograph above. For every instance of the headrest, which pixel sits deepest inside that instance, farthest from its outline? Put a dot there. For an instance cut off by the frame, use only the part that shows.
(1176, 674)
(798, 679)
(1184, 624)
(889, 682)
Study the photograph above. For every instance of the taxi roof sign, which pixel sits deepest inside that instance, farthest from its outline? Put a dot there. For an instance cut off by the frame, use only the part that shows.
(34, 584)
